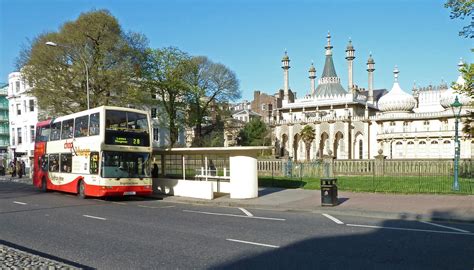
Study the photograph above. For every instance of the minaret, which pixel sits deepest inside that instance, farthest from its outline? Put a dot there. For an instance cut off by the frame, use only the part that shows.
(371, 69)
(312, 77)
(350, 58)
(285, 65)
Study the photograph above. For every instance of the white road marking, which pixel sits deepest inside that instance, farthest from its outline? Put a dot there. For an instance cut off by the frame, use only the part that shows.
(446, 227)
(94, 217)
(121, 203)
(22, 203)
(406, 229)
(230, 215)
(246, 212)
(333, 219)
(156, 207)
(252, 243)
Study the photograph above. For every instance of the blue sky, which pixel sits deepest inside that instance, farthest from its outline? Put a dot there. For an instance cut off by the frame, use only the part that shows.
(250, 37)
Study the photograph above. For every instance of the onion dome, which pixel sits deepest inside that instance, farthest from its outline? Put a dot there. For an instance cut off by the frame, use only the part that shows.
(312, 68)
(396, 100)
(285, 57)
(350, 51)
(448, 97)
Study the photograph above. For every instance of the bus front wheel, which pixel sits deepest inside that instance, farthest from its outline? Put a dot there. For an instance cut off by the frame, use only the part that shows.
(81, 190)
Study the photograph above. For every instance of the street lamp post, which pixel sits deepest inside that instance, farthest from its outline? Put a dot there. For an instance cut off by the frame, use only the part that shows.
(456, 107)
(52, 44)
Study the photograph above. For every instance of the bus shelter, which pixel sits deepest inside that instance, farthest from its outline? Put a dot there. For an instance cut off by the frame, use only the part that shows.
(203, 172)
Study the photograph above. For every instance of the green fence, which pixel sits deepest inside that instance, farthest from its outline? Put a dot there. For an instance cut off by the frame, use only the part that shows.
(391, 176)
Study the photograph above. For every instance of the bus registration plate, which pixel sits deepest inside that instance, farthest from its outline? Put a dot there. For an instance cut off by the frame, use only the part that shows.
(129, 193)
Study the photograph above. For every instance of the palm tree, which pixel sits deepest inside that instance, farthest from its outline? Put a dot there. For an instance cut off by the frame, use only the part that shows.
(307, 135)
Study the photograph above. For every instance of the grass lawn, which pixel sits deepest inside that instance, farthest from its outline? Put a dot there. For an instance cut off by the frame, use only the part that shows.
(388, 184)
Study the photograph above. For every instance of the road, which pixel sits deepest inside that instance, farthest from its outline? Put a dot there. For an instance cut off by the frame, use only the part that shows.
(139, 233)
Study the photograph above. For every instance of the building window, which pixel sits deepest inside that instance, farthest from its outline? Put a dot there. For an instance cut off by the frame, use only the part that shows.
(410, 142)
(422, 142)
(392, 124)
(32, 133)
(399, 143)
(32, 105)
(19, 135)
(448, 142)
(13, 136)
(156, 134)
(18, 109)
(17, 88)
(153, 112)
(264, 107)
(434, 142)
(361, 148)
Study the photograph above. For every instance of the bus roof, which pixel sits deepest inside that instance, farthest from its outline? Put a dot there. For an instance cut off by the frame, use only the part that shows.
(94, 110)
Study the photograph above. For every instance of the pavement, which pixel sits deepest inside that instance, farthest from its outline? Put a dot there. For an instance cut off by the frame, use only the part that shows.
(434, 207)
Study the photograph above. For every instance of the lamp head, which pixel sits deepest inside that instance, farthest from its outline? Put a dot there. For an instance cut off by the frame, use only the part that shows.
(456, 106)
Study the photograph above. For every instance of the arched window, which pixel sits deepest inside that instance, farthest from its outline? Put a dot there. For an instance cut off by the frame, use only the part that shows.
(361, 147)
(434, 142)
(399, 143)
(410, 142)
(448, 142)
(422, 142)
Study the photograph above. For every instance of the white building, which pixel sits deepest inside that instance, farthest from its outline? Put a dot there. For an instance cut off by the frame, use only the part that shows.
(360, 124)
(23, 116)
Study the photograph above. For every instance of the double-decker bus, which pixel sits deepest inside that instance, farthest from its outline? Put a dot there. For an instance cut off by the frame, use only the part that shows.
(99, 152)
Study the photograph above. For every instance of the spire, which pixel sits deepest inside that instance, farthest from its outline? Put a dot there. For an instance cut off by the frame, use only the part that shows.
(285, 65)
(371, 69)
(328, 46)
(329, 83)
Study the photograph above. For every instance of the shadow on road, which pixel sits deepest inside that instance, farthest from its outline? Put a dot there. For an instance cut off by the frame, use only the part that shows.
(367, 248)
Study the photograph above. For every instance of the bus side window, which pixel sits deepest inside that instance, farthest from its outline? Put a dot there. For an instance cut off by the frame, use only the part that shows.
(94, 163)
(66, 132)
(80, 126)
(66, 163)
(94, 124)
(54, 163)
(55, 131)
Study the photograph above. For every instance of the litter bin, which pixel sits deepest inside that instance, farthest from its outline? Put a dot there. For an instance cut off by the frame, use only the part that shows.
(329, 192)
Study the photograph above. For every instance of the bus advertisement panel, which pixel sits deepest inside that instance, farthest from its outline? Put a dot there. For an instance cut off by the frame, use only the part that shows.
(103, 151)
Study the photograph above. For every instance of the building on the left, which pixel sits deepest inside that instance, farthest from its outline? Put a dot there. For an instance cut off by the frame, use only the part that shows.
(4, 131)
(23, 116)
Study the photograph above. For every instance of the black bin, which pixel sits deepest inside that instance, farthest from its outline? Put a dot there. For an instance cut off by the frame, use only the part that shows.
(329, 192)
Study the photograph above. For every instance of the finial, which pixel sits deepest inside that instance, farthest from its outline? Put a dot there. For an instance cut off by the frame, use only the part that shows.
(328, 46)
(395, 73)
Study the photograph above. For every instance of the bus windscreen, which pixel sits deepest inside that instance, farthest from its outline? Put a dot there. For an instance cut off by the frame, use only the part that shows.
(126, 128)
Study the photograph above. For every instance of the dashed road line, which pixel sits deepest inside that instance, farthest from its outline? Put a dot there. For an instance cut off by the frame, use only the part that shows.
(156, 207)
(121, 203)
(231, 215)
(446, 227)
(406, 229)
(252, 243)
(333, 219)
(94, 217)
(22, 203)
(246, 212)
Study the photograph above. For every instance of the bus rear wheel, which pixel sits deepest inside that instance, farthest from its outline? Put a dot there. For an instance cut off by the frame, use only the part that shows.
(81, 190)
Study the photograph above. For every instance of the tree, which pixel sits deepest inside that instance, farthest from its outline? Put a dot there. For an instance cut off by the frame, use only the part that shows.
(165, 73)
(462, 9)
(307, 135)
(254, 133)
(95, 43)
(209, 86)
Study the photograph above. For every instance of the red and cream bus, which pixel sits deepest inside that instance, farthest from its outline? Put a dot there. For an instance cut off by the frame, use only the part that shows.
(99, 152)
